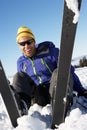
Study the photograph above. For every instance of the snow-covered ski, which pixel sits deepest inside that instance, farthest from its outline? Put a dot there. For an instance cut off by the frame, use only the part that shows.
(64, 63)
(8, 98)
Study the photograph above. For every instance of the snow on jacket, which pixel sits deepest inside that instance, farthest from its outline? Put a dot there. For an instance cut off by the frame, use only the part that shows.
(42, 64)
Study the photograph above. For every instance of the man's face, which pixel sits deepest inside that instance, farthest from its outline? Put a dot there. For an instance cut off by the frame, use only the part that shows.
(27, 46)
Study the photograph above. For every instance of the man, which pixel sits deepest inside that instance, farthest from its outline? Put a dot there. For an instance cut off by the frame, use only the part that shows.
(35, 68)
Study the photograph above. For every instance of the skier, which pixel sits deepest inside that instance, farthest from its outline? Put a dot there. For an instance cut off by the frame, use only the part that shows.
(35, 68)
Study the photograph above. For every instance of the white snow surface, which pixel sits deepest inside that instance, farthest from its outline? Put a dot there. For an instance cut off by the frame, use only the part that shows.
(39, 118)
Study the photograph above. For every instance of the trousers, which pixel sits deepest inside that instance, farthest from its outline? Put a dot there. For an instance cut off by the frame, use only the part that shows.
(29, 91)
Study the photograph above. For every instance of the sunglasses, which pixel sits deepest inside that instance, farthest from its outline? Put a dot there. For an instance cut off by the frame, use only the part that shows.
(26, 42)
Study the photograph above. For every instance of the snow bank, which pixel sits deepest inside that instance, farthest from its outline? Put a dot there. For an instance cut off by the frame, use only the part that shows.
(39, 118)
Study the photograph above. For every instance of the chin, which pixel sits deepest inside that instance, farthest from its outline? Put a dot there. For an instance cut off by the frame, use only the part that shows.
(28, 55)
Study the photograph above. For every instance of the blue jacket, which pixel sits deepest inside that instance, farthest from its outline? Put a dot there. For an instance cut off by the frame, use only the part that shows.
(41, 66)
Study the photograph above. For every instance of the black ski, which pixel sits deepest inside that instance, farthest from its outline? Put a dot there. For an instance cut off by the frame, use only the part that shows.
(8, 98)
(64, 63)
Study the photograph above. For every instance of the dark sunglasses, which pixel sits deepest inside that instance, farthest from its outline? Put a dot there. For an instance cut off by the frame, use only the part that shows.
(28, 42)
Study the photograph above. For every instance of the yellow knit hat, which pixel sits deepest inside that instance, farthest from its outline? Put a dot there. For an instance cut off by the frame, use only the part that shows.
(24, 31)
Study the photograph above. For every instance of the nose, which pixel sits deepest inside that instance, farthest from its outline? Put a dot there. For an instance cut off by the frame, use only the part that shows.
(26, 45)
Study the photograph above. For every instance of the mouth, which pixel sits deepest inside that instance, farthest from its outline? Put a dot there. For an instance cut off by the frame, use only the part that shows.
(28, 50)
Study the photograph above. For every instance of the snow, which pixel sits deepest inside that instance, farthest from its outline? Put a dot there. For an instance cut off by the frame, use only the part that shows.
(73, 5)
(39, 118)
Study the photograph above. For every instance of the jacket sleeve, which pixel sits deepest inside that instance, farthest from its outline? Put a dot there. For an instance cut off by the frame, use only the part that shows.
(77, 86)
(55, 53)
(19, 64)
